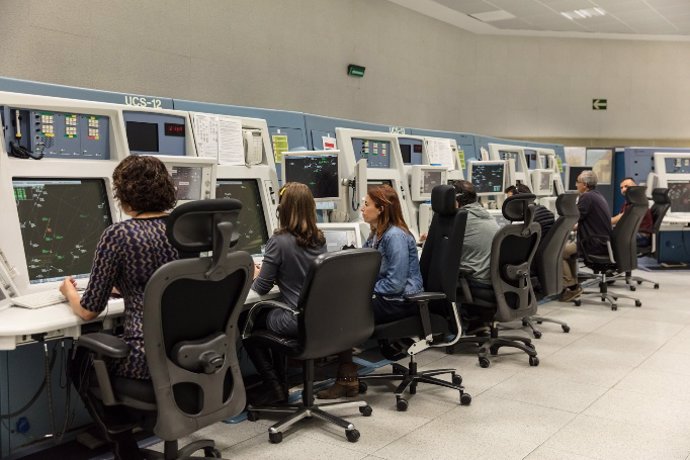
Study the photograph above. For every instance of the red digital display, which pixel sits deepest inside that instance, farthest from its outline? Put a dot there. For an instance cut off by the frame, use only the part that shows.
(174, 129)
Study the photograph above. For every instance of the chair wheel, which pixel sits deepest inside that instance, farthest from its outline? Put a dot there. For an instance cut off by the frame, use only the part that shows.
(252, 416)
(484, 362)
(638, 303)
(537, 334)
(363, 387)
(577, 302)
(614, 307)
(565, 328)
(401, 404)
(365, 411)
(352, 435)
(456, 379)
(639, 282)
(533, 361)
(275, 438)
(539, 322)
(632, 288)
(465, 399)
(656, 285)
(613, 297)
(524, 323)
(212, 452)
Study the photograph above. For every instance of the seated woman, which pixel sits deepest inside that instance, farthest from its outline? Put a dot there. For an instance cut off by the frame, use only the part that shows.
(127, 254)
(288, 256)
(398, 276)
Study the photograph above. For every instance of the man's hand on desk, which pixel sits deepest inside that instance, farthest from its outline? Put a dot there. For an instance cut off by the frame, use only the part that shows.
(257, 270)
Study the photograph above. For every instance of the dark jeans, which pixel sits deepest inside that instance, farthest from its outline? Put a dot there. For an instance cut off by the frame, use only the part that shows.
(387, 310)
(643, 240)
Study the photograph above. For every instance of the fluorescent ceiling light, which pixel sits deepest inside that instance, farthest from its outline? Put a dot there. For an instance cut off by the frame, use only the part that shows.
(491, 16)
(584, 13)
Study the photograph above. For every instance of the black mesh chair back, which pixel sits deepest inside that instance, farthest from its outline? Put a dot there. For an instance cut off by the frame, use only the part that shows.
(662, 203)
(547, 260)
(191, 307)
(335, 302)
(512, 251)
(624, 238)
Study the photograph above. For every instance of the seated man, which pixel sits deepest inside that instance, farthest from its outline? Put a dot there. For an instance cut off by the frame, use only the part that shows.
(542, 216)
(476, 252)
(644, 233)
(593, 231)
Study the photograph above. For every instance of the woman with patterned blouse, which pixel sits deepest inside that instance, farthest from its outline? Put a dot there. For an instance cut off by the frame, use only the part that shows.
(127, 254)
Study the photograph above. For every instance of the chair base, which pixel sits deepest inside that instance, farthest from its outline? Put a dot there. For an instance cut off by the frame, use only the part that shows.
(605, 296)
(490, 346)
(171, 452)
(629, 278)
(529, 321)
(411, 377)
(301, 411)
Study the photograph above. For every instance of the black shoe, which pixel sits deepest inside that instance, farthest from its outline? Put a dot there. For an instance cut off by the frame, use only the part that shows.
(268, 393)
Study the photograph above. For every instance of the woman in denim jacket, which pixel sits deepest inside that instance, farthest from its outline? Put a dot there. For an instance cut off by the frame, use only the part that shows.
(398, 276)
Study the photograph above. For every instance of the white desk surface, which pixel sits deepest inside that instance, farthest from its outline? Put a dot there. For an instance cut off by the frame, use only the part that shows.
(17, 324)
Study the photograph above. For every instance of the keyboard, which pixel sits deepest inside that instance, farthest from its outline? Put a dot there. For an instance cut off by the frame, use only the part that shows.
(39, 299)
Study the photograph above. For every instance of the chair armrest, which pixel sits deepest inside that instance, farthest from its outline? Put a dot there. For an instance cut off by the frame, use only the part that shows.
(104, 345)
(257, 308)
(425, 296)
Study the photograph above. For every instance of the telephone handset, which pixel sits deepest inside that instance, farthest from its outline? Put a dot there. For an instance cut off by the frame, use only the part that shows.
(253, 146)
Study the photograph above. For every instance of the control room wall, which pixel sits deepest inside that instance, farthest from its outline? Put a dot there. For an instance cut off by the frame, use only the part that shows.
(293, 55)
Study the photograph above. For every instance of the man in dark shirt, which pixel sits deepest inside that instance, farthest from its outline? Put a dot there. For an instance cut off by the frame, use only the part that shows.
(644, 233)
(593, 231)
(542, 216)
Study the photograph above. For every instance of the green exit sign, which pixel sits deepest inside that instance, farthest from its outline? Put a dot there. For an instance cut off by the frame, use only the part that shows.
(355, 70)
(599, 104)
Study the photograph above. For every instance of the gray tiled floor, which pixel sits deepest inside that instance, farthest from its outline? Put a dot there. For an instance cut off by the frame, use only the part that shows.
(617, 386)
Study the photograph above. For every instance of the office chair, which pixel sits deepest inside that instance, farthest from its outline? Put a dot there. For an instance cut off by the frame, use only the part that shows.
(622, 251)
(548, 258)
(438, 315)
(512, 297)
(191, 308)
(334, 314)
(662, 203)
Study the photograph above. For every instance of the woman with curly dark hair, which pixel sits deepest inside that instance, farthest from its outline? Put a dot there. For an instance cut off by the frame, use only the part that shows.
(289, 254)
(127, 254)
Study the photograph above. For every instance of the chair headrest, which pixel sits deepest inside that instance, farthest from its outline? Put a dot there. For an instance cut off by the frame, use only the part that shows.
(443, 199)
(566, 204)
(637, 195)
(515, 208)
(192, 226)
(660, 196)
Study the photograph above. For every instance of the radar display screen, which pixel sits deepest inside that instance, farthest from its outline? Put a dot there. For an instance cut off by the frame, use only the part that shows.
(319, 173)
(251, 223)
(61, 221)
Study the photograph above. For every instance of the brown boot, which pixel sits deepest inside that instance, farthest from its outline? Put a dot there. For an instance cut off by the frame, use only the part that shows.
(346, 384)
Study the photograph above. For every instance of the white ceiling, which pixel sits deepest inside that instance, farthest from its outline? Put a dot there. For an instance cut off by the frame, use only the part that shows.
(624, 19)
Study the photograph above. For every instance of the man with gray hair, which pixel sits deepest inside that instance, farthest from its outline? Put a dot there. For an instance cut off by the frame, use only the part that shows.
(593, 231)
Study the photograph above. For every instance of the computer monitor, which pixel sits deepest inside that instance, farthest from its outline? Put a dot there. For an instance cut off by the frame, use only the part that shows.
(411, 150)
(542, 182)
(571, 174)
(488, 177)
(376, 152)
(317, 170)
(251, 225)
(188, 182)
(423, 179)
(531, 159)
(378, 182)
(61, 221)
(679, 194)
(193, 177)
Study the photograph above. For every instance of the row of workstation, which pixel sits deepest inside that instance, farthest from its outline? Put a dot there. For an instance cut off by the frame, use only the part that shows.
(57, 156)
